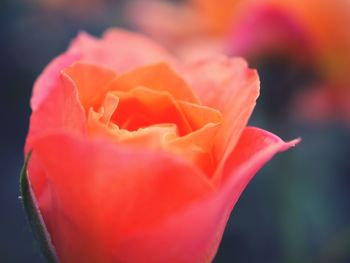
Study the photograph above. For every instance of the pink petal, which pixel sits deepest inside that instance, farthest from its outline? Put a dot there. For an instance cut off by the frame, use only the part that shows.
(102, 192)
(117, 49)
(194, 233)
(61, 110)
(48, 78)
(231, 87)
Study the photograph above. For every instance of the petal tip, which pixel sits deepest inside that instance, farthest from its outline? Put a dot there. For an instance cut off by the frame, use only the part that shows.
(294, 142)
(290, 144)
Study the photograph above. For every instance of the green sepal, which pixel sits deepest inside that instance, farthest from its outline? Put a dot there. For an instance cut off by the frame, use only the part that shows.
(34, 216)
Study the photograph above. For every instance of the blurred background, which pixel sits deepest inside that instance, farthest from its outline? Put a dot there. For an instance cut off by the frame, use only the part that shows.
(297, 208)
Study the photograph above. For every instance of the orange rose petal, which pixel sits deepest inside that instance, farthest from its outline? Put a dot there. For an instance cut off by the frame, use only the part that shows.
(91, 82)
(159, 77)
(98, 127)
(94, 123)
(141, 107)
(198, 115)
(196, 147)
(231, 87)
(110, 104)
(152, 137)
(203, 138)
(112, 197)
(193, 234)
(97, 120)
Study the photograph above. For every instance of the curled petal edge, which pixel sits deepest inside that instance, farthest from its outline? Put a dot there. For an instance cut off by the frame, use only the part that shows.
(194, 233)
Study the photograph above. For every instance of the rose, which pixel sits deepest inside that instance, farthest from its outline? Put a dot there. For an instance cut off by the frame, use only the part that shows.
(137, 157)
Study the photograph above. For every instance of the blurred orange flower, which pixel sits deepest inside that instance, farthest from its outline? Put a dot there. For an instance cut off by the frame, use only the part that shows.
(313, 32)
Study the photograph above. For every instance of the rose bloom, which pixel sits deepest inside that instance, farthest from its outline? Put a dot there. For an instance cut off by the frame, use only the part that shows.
(311, 33)
(137, 157)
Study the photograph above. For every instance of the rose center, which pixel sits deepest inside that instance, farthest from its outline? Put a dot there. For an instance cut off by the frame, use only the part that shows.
(142, 116)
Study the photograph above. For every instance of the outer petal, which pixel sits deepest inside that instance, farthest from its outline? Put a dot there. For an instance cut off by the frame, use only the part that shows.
(193, 234)
(48, 78)
(254, 148)
(61, 110)
(231, 87)
(119, 50)
(101, 193)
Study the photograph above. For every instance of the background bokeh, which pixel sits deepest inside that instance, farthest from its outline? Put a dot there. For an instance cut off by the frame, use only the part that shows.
(297, 208)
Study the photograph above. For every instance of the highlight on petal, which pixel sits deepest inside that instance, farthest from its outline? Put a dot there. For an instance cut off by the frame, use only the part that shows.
(106, 197)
